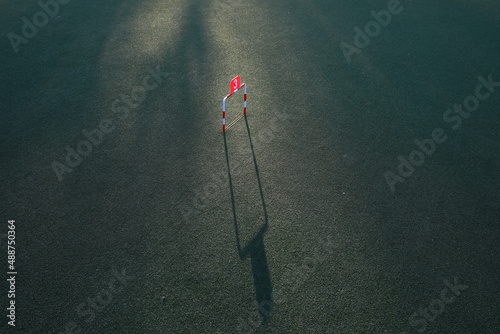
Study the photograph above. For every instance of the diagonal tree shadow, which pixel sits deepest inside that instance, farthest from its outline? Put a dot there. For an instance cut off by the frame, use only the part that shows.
(255, 248)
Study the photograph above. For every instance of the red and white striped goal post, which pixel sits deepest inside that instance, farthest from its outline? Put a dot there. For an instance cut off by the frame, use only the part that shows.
(235, 86)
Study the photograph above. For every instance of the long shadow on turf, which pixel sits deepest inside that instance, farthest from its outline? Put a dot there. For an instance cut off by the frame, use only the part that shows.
(255, 248)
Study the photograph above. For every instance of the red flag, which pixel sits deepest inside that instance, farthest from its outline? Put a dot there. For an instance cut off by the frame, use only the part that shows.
(235, 84)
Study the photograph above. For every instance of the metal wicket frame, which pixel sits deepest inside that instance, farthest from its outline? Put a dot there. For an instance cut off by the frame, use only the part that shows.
(224, 107)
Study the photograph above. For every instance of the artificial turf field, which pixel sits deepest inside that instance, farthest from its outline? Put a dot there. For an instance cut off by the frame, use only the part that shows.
(308, 225)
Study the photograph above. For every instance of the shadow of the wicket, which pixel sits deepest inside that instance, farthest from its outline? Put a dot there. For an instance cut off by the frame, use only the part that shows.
(255, 248)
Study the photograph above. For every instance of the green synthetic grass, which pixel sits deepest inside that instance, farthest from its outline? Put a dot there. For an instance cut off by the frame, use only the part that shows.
(341, 252)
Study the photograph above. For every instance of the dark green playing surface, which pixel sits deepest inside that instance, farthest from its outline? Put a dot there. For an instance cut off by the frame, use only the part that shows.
(145, 210)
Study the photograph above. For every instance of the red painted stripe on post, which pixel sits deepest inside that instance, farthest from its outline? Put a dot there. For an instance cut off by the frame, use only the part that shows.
(245, 100)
